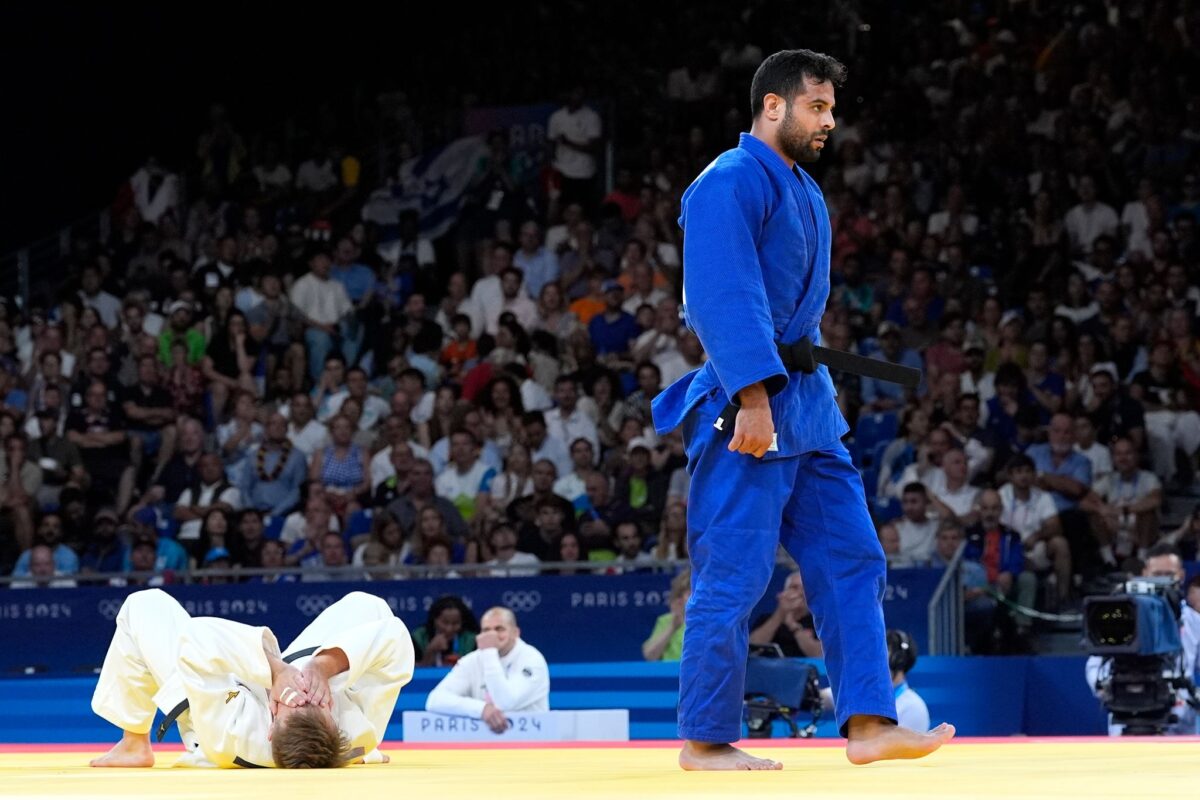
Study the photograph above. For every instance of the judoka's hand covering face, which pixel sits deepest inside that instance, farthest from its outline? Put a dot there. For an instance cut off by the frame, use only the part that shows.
(289, 689)
(318, 685)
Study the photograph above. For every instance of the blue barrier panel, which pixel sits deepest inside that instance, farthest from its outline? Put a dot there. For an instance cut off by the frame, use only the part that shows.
(570, 619)
(982, 696)
(1057, 683)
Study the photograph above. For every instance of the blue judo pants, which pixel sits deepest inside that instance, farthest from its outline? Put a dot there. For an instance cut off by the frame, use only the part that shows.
(740, 508)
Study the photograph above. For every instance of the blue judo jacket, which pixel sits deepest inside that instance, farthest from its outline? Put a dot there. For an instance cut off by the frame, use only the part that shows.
(756, 271)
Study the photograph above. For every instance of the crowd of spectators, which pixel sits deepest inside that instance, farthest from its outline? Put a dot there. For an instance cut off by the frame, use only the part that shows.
(256, 369)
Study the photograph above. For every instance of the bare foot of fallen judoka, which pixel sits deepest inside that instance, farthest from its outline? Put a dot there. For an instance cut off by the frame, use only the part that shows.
(704, 756)
(878, 739)
(132, 751)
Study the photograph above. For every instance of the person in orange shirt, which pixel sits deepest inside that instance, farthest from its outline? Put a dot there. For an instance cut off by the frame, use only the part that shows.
(462, 348)
(591, 303)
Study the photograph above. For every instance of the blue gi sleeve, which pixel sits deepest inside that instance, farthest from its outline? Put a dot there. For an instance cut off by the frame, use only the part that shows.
(723, 289)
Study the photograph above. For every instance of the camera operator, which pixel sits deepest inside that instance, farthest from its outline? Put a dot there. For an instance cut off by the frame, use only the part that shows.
(1163, 561)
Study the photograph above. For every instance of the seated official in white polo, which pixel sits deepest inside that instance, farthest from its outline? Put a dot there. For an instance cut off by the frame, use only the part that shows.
(502, 676)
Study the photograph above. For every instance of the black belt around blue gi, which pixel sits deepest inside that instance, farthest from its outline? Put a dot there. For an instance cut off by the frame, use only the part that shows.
(804, 356)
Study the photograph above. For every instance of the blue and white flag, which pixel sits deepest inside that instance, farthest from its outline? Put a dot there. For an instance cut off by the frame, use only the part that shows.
(435, 184)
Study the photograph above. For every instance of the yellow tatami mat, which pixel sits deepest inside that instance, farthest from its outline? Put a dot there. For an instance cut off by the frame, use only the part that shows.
(1018, 768)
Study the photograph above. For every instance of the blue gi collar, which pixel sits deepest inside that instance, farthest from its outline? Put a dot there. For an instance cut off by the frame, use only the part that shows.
(901, 688)
(763, 152)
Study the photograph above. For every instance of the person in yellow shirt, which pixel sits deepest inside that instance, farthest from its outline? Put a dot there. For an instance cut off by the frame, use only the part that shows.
(666, 640)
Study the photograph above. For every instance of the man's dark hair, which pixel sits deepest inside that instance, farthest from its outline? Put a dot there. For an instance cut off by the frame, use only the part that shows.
(948, 318)
(1018, 461)
(450, 601)
(533, 418)
(1163, 549)
(785, 73)
(413, 372)
(915, 487)
(648, 365)
(465, 432)
(626, 524)
(1009, 374)
(309, 741)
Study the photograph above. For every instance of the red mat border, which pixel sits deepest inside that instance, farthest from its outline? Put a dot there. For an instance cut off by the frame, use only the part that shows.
(642, 744)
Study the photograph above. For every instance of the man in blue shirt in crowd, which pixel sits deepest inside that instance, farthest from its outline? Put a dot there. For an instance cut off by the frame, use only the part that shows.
(614, 329)
(880, 395)
(1062, 471)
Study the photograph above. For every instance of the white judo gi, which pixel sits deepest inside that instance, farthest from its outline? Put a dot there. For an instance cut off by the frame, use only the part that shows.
(519, 681)
(160, 657)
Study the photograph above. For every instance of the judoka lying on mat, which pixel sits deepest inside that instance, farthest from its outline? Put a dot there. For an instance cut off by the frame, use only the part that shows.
(325, 701)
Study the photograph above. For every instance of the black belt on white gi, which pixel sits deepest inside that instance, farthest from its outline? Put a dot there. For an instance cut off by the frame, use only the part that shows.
(174, 713)
(804, 356)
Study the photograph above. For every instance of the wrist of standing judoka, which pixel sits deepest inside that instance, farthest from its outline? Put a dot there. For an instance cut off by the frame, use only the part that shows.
(754, 428)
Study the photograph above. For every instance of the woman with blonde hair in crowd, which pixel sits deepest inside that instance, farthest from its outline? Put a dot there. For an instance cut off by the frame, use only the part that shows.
(553, 314)
(443, 419)
(672, 534)
(666, 640)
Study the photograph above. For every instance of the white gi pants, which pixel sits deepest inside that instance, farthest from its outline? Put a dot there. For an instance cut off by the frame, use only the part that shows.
(140, 671)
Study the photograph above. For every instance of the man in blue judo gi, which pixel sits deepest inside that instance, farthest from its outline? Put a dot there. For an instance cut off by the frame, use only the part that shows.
(756, 275)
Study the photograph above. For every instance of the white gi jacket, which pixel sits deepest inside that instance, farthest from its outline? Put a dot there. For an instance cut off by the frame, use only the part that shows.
(226, 677)
(160, 657)
(520, 681)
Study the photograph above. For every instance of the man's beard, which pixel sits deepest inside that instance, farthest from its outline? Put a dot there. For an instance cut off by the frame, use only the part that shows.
(795, 142)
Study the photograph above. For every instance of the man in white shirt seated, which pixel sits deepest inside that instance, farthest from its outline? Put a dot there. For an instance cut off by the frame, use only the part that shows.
(949, 491)
(467, 476)
(1031, 512)
(503, 675)
(573, 485)
(213, 490)
(1093, 451)
(507, 560)
(628, 541)
(306, 433)
(1125, 506)
(917, 528)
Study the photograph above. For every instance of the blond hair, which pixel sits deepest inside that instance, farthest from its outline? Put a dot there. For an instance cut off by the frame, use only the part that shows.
(309, 741)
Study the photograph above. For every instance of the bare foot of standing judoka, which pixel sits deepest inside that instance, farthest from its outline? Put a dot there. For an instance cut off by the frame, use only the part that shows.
(877, 739)
(132, 751)
(704, 756)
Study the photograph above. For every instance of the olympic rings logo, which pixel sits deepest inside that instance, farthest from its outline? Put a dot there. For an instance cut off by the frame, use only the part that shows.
(312, 604)
(109, 607)
(522, 601)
